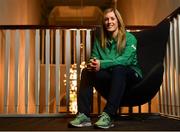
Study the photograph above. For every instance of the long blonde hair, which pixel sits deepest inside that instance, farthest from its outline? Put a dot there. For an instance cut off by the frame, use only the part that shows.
(121, 36)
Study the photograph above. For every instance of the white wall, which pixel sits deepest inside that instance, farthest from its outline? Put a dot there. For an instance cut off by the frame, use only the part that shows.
(19, 12)
(146, 12)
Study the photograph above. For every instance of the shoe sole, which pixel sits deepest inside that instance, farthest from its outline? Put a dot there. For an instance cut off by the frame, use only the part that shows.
(88, 124)
(104, 127)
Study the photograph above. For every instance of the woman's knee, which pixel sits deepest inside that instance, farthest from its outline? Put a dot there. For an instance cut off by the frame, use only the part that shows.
(85, 71)
(87, 74)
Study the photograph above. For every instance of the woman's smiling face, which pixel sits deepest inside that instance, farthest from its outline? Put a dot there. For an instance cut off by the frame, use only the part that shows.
(111, 22)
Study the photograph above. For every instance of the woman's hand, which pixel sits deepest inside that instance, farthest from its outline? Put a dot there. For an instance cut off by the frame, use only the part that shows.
(94, 65)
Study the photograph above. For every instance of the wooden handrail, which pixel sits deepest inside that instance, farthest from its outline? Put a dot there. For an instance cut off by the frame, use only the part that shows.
(47, 27)
(172, 15)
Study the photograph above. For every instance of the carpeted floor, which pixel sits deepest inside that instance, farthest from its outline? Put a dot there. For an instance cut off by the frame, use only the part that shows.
(122, 123)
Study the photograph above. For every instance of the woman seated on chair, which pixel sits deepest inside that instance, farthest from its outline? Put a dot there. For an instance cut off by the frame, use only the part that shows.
(113, 66)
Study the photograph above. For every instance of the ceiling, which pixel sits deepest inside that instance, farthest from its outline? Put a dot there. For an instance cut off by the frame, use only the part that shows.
(75, 15)
(75, 12)
(99, 3)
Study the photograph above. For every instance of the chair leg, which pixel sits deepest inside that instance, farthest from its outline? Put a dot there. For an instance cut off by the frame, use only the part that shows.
(139, 108)
(99, 103)
(130, 109)
(149, 107)
(120, 111)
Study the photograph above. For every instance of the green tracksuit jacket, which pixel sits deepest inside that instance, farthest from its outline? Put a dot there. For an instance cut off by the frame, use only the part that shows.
(110, 57)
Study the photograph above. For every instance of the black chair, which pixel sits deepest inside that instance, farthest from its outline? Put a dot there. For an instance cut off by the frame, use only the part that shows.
(151, 51)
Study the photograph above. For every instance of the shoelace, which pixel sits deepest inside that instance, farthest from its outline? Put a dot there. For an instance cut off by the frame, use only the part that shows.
(104, 117)
(79, 117)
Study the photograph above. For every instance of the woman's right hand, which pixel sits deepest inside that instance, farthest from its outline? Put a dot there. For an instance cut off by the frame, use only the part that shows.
(94, 65)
